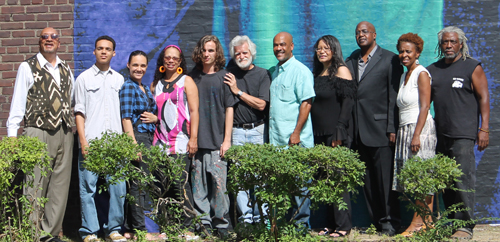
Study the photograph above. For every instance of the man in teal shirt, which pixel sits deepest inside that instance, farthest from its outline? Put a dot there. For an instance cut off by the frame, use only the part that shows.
(292, 93)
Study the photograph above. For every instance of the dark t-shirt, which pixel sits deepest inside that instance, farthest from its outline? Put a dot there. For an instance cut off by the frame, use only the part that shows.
(455, 104)
(254, 82)
(215, 97)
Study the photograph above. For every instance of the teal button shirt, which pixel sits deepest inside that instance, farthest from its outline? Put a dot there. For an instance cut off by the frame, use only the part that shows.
(292, 83)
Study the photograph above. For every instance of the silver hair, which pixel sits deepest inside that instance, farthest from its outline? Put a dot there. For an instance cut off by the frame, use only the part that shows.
(461, 37)
(240, 40)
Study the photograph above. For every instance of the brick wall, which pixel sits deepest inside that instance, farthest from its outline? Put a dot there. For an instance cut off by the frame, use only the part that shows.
(21, 22)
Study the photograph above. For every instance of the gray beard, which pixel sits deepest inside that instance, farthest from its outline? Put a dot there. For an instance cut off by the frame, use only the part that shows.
(249, 62)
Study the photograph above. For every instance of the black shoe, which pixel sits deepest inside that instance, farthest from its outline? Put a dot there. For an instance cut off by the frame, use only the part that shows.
(56, 239)
(388, 232)
(223, 233)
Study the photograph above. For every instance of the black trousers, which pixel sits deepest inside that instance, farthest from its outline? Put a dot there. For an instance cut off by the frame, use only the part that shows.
(177, 191)
(337, 219)
(135, 218)
(382, 202)
(462, 150)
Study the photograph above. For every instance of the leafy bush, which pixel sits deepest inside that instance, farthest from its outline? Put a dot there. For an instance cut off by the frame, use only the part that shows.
(278, 172)
(19, 156)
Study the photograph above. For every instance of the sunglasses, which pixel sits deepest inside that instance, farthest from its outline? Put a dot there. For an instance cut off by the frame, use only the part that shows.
(168, 58)
(46, 36)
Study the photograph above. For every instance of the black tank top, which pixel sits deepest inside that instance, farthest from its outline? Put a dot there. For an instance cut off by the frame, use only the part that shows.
(455, 105)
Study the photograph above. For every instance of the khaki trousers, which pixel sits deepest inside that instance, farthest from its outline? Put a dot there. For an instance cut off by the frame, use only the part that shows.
(55, 185)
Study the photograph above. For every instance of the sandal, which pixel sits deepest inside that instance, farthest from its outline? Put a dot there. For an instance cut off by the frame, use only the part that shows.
(338, 234)
(462, 234)
(325, 232)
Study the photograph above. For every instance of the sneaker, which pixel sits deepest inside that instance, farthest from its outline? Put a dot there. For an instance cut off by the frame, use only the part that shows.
(91, 238)
(116, 237)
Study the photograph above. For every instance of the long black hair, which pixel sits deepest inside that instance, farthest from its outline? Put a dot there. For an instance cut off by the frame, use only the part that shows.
(136, 53)
(337, 58)
(159, 63)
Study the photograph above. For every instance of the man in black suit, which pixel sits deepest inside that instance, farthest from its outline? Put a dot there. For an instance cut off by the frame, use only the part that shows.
(375, 114)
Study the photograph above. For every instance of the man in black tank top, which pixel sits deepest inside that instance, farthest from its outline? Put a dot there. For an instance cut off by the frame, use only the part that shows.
(461, 98)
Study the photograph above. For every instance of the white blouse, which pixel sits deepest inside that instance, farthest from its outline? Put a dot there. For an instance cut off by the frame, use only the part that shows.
(408, 98)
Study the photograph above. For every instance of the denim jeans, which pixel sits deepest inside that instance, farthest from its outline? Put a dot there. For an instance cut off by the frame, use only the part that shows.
(249, 214)
(88, 185)
(462, 150)
(209, 175)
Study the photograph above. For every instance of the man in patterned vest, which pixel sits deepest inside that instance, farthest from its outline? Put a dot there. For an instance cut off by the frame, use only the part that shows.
(42, 96)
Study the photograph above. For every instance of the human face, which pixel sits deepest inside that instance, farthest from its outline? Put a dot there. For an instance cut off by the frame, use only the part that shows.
(49, 45)
(323, 52)
(172, 59)
(450, 46)
(104, 52)
(209, 53)
(365, 34)
(242, 56)
(408, 53)
(137, 67)
(282, 47)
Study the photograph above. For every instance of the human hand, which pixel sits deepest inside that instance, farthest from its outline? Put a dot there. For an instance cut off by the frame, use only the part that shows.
(392, 138)
(148, 118)
(192, 147)
(230, 80)
(294, 139)
(224, 147)
(336, 143)
(483, 140)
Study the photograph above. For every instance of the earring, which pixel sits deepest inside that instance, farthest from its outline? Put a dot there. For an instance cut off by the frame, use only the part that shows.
(179, 70)
(162, 69)
(416, 62)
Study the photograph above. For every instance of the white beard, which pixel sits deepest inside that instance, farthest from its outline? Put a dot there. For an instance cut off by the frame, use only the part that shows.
(246, 65)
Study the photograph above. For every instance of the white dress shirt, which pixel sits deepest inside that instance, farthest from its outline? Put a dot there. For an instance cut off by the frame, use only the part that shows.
(97, 99)
(24, 82)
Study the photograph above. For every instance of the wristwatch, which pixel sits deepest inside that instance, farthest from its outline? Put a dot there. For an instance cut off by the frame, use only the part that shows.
(239, 93)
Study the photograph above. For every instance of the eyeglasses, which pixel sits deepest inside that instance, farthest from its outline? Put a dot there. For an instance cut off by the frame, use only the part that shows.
(46, 36)
(364, 32)
(322, 49)
(168, 58)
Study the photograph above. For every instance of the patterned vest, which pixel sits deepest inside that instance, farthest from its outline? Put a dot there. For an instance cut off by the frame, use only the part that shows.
(49, 104)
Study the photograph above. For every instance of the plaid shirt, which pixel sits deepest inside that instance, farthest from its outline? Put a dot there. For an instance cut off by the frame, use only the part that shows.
(133, 102)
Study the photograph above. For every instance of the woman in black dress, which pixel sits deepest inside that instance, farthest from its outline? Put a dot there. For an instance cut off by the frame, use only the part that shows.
(331, 114)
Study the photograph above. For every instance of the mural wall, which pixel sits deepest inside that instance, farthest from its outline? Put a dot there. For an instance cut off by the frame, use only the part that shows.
(153, 24)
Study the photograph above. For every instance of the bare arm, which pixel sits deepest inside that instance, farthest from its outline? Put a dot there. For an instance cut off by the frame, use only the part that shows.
(227, 131)
(424, 97)
(80, 127)
(252, 101)
(480, 86)
(128, 128)
(305, 108)
(193, 103)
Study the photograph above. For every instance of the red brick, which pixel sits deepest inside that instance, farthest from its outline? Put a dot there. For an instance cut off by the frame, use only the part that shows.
(11, 50)
(12, 2)
(4, 34)
(17, 64)
(7, 91)
(71, 64)
(25, 2)
(12, 42)
(61, 8)
(62, 49)
(60, 24)
(4, 99)
(2, 50)
(4, 115)
(35, 49)
(70, 49)
(6, 83)
(12, 9)
(67, 16)
(6, 67)
(3, 132)
(32, 41)
(12, 58)
(36, 25)
(67, 32)
(62, 1)
(49, 2)
(23, 33)
(5, 106)
(66, 40)
(47, 17)
(37, 9)
(9, 74)
(24, 49)
(34, 2)
(65, 56)
(23, 17)
(5, 17)
(6, 26)
(2, 2)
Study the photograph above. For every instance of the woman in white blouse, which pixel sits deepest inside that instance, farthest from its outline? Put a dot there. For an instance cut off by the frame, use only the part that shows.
(417, 133)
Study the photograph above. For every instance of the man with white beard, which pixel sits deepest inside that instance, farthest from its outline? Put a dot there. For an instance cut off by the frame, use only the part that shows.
(250, 84)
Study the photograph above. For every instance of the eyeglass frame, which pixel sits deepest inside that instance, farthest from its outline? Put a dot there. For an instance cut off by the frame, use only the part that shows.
(364, 32)
(52, 36)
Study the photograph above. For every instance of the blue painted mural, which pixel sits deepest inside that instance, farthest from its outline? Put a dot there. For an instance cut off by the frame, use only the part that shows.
(153, 24)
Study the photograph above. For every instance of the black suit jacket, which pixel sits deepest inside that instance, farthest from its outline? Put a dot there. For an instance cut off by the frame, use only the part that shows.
(375, 112)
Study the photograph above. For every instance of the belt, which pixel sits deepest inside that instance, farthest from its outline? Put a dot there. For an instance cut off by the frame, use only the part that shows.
(249, 125)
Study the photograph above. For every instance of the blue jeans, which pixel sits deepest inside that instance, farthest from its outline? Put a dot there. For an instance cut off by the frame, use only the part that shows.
(241, 136)
(88, 185)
